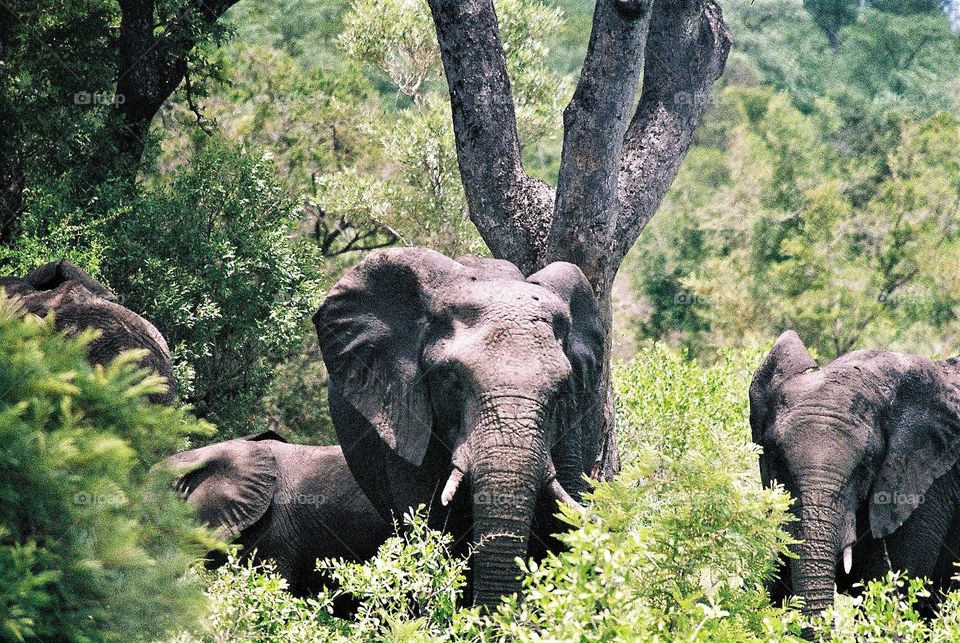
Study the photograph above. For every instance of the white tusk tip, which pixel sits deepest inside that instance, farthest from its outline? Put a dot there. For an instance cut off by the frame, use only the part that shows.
(847, 559)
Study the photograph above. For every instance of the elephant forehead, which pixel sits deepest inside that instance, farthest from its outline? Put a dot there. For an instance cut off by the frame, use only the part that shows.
(506, 298)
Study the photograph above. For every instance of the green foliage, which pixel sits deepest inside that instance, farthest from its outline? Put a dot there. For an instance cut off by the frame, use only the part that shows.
(784, 231)
(59, 114)
(208, 256)
(409, 590)
(91, 549)
(251, 603)
(677, 547)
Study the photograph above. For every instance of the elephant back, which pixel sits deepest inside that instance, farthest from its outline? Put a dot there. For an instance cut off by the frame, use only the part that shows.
(80, 302)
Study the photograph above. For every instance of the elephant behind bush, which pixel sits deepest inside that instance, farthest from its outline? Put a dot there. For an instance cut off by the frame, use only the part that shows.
(79, 302)
(287, 502)
(868, 445)
(467, 387)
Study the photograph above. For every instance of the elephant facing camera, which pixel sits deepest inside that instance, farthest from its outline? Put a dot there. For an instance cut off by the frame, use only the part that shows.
(470, 388)
(868, 447)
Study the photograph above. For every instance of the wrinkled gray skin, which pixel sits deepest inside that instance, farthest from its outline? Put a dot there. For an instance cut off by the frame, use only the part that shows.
(80, 302)
(868, 447)
(287, 502)
(464, 386)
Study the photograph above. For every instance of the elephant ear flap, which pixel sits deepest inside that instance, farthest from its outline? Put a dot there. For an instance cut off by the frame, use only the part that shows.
(923, 443)
(231, 483)
(787, 359)
(371, 330)
(584, 348)
(56, 273)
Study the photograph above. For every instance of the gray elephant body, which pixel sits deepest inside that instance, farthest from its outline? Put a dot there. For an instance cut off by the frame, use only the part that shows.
(448, 374)
(80, 302)
(868, 446)
(286, 502)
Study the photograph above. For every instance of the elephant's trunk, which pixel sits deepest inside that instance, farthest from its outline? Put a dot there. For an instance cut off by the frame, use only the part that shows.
(814, 572)
(508, 456)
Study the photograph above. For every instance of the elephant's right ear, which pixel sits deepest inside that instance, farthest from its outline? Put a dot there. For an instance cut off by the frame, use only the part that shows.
(372, 327)
(788, 358)
(231, 483)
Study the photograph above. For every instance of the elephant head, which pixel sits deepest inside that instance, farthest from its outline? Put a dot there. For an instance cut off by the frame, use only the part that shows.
(871, 430)
(448, 372)
(231, 483)
(80, 302)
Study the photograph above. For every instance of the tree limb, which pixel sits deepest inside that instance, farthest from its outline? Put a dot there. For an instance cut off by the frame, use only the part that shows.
(151, 66)
(11, 175)
(686, 51)
(594, 123)
(510, 209)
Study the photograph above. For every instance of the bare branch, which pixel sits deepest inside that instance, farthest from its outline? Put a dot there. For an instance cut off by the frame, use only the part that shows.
(686, 52)
(510, 209)
(344, 236)
(595, 122)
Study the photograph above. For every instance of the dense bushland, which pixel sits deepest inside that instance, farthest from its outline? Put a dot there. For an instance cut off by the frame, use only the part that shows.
(91, 547)
(677, 547)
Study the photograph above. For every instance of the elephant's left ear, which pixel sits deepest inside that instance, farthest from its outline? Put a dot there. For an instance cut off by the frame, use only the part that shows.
(584, 348)
(231, 483)
(57, 273)
(923, 443)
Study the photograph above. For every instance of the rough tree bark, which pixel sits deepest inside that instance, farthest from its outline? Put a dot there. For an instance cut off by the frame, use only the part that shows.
(152, 63)
(615, 169)
(11, 177)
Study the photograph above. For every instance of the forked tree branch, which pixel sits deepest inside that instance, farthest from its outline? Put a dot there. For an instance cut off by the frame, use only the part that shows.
(510, 209)
(152, 65)
(686, 52)
(594, 123)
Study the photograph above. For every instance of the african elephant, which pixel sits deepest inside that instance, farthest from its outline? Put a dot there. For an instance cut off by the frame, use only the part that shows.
(80, 302)
(868, 447)
(447, 373)
(287, 502)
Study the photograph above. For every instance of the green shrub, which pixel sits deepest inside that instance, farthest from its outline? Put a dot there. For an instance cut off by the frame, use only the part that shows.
(680, 544)
(91, 549)
(677, 547)
(211, 259)
(251, 603)
(407, 592)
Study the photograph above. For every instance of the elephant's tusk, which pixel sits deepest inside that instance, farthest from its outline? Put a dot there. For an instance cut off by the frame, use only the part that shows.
(847, 559)
(450, 489)
(560, 494)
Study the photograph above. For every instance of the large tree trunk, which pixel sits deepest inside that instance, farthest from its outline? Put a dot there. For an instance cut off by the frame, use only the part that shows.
(152, 64)
(614, 170)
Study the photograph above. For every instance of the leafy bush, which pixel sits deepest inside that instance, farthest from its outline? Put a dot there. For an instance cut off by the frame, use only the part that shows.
(209, 258)
(251, 603)
(677, 547)
(408, 591)
(90, 547)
